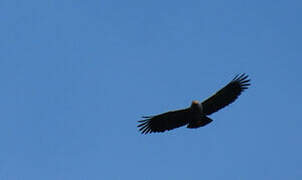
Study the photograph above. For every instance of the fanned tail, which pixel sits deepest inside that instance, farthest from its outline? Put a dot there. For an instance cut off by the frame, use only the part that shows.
(202, 122)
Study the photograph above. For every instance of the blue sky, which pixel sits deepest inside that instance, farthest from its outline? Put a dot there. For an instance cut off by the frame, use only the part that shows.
(77, 75)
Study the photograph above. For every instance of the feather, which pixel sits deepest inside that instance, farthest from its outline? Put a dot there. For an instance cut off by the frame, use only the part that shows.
(226, 95)
(164, 122)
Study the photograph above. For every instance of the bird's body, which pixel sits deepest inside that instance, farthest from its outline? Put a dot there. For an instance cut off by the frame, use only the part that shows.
(195, 116)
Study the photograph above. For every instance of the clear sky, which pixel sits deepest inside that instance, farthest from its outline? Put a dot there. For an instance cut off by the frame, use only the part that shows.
(76, 76)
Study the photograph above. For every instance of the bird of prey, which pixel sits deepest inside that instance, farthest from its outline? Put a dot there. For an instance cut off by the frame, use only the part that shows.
(195, 116)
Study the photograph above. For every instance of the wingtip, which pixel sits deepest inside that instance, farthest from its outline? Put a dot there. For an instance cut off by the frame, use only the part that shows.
(242, 77)
(235, 77)
(147, 117)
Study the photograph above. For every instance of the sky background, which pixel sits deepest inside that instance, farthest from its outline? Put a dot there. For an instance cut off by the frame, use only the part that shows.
(76, 76)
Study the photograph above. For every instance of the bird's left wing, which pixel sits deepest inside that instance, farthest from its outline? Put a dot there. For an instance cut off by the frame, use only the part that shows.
(226, 95)
(162, 122)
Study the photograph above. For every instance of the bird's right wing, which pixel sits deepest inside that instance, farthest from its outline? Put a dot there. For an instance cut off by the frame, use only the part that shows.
(226, 95)
(162, 122)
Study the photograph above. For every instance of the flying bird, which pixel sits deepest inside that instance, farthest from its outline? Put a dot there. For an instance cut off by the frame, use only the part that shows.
(195, 116)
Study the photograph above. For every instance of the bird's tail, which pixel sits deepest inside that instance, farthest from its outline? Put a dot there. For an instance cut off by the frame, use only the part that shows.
(202, 122)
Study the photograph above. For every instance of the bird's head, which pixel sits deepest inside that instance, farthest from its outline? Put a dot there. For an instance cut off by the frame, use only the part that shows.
(195, 102)
(196, 106)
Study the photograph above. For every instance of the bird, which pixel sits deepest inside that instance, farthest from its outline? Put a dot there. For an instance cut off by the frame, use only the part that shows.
(196, 115)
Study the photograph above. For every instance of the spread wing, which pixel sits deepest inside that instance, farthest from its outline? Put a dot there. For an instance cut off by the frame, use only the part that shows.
(226, 95)
(162, 122)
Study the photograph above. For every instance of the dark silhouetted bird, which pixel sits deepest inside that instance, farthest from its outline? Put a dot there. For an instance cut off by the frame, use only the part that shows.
(196, 115)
